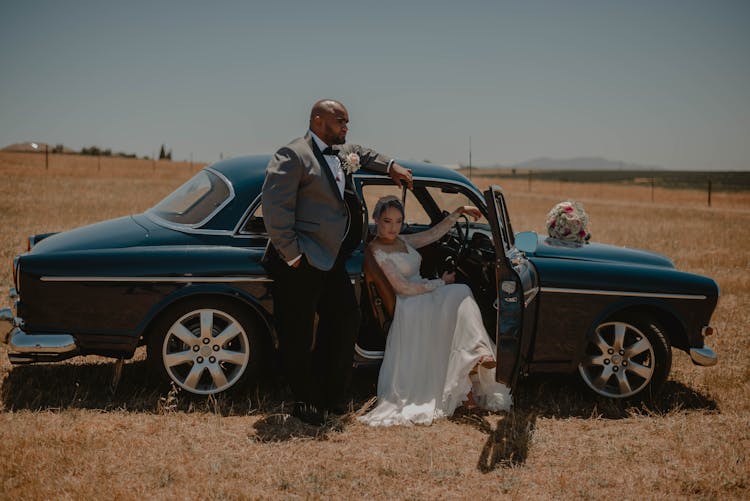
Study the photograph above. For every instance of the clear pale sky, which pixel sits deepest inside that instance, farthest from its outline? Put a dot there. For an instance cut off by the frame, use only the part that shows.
(653, 82)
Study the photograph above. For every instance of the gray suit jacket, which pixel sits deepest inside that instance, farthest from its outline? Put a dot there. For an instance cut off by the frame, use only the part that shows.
(303, 210)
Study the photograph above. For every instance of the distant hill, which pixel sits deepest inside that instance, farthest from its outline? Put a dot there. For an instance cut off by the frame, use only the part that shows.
(40, 147)
(37, 146)
(578, 163)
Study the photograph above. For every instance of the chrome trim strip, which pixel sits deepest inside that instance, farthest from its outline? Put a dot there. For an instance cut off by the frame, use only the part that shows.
(530, 295)
(593, 292)
(181, 280)
(195, 227)
(428, 179)
(372, 355)
(184, 228)
(159, 279)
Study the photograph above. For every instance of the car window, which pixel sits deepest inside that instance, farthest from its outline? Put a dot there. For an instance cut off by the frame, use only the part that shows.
(194, 201)
(254, 223)
(449, 201)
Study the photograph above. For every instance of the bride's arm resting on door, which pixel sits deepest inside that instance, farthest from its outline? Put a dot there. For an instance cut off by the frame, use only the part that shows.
(418, 240)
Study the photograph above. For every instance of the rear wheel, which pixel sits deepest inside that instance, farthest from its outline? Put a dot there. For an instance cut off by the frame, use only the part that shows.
(626, 358)
(205, 346)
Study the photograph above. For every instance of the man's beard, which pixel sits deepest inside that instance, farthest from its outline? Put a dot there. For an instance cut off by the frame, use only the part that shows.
(336, 139)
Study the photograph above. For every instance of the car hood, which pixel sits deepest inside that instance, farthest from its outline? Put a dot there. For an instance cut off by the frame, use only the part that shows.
(115, 233)
(552, 248)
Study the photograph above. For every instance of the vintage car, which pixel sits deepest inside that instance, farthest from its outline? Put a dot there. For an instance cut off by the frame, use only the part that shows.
(185, 279)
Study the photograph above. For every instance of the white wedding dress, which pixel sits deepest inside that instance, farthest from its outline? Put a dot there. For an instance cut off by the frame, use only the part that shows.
(435, 340)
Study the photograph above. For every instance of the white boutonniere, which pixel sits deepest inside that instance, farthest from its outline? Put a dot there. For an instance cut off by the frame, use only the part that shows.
(350, 163)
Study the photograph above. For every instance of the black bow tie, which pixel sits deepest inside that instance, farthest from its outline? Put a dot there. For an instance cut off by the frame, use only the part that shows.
(331, 151)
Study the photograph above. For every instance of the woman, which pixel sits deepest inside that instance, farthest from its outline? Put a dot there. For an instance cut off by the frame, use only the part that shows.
(438, 354)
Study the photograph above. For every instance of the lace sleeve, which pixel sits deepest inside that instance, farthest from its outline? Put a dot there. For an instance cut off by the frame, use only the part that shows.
(419, 240)
(400, 284)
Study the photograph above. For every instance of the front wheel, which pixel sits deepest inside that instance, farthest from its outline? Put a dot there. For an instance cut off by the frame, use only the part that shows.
(205, 347)
(626, 358)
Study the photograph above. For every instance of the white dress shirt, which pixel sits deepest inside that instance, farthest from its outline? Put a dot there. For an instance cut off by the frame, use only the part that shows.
(334, 163)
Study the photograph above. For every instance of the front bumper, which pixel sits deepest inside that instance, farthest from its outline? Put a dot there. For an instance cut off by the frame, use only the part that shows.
(26, 348)
(704, 356)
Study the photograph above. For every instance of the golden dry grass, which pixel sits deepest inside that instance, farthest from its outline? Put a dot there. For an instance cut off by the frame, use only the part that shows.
(65, 435)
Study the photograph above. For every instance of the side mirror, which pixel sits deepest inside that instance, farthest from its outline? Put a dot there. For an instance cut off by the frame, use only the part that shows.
(526, 241)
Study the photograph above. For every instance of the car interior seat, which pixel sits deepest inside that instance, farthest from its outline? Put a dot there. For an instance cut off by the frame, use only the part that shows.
(381, 294)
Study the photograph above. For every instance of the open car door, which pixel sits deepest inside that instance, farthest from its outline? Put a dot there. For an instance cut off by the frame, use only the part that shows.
(510, 292)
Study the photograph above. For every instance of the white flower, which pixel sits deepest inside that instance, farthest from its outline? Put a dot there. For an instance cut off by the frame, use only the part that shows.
(350, 164)
(568, 221)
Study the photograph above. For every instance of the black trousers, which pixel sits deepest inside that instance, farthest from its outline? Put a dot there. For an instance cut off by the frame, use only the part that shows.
(317, 364)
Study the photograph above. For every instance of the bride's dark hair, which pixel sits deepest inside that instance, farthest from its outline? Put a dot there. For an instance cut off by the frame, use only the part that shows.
(386, 203)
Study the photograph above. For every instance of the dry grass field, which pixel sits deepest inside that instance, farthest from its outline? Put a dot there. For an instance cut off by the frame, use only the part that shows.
(65, 435)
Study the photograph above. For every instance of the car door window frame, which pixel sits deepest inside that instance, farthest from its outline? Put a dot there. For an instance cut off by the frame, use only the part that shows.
(429, 205)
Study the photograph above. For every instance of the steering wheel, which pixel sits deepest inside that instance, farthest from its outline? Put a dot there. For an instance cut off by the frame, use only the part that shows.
(463, 234)
(451, 262)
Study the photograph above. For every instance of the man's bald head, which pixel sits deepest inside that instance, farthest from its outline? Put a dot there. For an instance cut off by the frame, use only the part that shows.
(328, 120)
(325, 107)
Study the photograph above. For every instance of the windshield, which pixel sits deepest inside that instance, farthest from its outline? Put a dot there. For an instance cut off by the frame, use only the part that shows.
(195, 201)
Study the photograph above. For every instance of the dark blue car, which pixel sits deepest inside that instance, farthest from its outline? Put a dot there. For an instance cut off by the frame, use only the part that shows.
(184, 278)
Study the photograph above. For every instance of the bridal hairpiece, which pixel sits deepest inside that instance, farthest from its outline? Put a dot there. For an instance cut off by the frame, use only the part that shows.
(385, 202)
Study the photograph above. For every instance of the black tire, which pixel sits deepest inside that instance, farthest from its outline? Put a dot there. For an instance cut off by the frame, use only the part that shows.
(198, 362)
(627, 357)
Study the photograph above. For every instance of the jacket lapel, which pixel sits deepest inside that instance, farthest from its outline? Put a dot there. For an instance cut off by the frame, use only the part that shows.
(323, 164)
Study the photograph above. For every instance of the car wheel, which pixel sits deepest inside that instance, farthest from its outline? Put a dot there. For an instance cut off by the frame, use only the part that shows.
(626, 358)
(204, 347)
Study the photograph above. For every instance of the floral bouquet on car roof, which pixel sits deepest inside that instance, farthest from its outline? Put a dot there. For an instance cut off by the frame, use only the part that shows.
(568, 221)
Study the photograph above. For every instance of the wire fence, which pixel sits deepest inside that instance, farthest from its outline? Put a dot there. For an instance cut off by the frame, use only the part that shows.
(727, 189)
(723, 189)
(73, 164)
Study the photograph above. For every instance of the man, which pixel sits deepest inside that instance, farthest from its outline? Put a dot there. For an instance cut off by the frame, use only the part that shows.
(309, 202)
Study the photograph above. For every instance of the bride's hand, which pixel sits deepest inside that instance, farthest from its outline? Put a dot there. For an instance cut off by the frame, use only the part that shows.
(470, 210)
(449, 277)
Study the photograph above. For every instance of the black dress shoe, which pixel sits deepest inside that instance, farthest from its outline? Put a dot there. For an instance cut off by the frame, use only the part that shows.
(308, 413)
(339, 409)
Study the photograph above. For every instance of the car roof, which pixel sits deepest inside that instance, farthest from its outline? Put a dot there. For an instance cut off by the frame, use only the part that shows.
(248, 172)
(246, 175)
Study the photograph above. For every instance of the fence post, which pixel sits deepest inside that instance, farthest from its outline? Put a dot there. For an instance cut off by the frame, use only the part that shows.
(46, 157)
(709, 192)
(529, 181)
(652, 189)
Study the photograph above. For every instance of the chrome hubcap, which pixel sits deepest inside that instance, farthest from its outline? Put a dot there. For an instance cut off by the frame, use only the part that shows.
(206, 351)
(619, 360)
